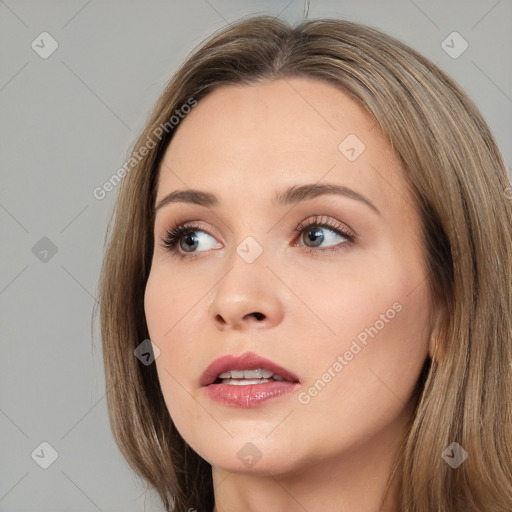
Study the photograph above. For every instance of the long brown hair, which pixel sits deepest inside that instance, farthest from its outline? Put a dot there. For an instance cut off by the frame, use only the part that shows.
(459, 183)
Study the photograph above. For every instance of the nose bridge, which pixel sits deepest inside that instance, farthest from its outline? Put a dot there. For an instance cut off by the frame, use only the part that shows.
(246, 295)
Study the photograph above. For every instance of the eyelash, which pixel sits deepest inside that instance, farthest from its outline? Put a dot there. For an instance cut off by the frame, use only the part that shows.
(174, 234)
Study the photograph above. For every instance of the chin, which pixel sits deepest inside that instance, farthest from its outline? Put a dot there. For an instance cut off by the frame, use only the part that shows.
(246, 454)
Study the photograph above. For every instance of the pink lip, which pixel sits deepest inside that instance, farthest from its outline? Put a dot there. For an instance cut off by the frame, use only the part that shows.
(247, 361)
(249, 395)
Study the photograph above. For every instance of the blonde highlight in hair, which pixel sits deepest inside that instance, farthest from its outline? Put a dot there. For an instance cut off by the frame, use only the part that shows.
(457, 178)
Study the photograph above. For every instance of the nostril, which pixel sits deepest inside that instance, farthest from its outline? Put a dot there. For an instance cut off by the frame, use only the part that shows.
(220, 319)
(259, 316)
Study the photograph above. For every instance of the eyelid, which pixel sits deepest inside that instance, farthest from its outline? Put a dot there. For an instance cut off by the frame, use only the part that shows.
(198, 225)
(326, 221)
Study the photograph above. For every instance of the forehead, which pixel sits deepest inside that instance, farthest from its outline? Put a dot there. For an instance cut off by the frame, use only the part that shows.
(281, 133)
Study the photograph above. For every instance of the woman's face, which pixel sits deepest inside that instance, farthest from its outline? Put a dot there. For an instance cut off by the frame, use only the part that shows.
(305, 251)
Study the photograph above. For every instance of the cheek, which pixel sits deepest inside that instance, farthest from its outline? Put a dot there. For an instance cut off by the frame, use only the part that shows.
(370, 366)
(171, 309)
(169, 303)
(380, 294)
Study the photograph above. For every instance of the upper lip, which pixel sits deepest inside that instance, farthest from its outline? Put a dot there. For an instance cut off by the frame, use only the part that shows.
(247, 361)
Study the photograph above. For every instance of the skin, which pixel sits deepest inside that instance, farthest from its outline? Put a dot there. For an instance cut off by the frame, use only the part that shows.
(244, 144)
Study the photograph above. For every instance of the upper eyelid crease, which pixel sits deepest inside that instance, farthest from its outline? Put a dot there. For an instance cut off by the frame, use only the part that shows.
(292, 195)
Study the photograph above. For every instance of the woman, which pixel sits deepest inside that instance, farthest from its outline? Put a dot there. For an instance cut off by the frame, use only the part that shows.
(315, 236)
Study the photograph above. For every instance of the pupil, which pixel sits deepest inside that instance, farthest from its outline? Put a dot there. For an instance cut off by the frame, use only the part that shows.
(192, 239)
(315, 235)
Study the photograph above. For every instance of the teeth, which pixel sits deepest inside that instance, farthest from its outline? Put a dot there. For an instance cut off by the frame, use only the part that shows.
(250, 376)
(245, 382)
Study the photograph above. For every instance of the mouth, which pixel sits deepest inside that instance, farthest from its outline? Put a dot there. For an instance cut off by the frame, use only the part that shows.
(247, 381)
(245, 370)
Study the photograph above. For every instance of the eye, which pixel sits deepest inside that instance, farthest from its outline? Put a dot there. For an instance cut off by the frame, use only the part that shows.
(190, 239)
(323, 232)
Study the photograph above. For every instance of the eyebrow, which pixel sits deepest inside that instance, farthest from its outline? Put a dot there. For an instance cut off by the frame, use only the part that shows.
(292, 195)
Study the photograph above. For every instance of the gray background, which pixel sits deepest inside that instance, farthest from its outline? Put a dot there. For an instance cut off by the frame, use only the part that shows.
(67, 123)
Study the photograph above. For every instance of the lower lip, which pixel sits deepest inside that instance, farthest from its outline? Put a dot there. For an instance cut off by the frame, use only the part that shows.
(250, 395)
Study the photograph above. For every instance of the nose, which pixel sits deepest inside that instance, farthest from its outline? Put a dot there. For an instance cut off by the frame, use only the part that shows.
(246, 297)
